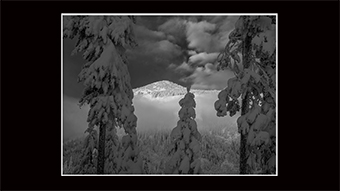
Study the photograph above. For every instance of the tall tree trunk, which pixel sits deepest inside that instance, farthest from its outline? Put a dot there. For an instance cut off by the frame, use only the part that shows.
(243, 145)
(101, 149)
(246, 55)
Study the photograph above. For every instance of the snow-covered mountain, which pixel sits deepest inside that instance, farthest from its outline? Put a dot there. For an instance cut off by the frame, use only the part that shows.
(166, 88)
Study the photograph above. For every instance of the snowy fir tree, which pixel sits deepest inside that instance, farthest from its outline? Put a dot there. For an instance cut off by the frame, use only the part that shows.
(185, 140)
(111, 150)
(251, 55)
(103, 41)
(88, 158)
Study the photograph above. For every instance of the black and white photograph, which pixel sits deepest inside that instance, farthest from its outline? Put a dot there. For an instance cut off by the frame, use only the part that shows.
(169, 94)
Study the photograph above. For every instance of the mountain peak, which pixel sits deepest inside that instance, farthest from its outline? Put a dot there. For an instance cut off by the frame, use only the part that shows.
(165, 84)
(165, 88)
(160, 89)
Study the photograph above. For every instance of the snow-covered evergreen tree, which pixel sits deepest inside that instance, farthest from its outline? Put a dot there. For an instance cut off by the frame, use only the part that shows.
(111, 150)
(185, 140)
(88, 159)
(103, 39)
(251, 55)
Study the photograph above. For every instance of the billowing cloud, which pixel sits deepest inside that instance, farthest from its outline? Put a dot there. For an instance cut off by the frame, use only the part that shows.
(185, 66)
(152, 22)
(171, 38)
(191, 52)
(207, 37)
(156, 53)
(176, 29)
(145, 34)
(155, 43)
(181, 44)
(208, 77)
(167, 46)
(210, 36)
(199, 36)
(224, 23)
(172, 66)
(203, 58)
(217, 19)
(224, 26)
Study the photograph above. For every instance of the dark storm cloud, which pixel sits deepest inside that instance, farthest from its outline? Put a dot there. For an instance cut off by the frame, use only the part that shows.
(199, 36)
(208, 77)
(203, 33)
(170, 48)
(154, 43)
(152, 22)
(145, 34)
(175, 28)
(154, 56)
(71, 67)
(216, 19)
(157, 50)
(149, 62)
(206, 37)
(185, 66)
(147, 69)
(191, 52)
(203, 58)
(165, 47)
(202, 37)
(162, 52)
(184, 69)
(210, 36)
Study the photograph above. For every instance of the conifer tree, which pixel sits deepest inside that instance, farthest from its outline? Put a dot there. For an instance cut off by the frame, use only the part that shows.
(104, 39)
(111, 150)
(185, 140)
(251, 55)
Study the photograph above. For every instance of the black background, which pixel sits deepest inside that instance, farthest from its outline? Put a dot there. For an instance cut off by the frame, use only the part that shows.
(308, 61)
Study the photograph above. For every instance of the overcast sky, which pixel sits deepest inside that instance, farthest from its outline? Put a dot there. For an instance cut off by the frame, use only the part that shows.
(180, 49)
